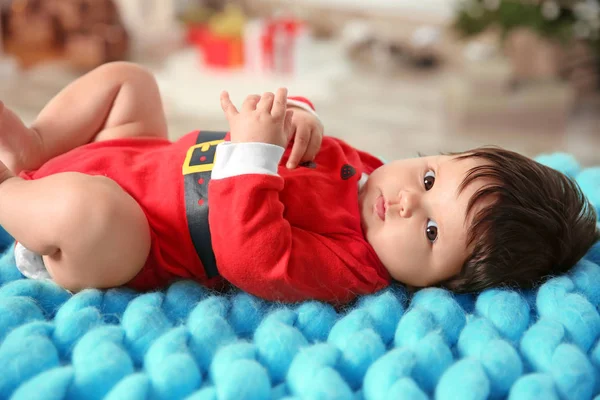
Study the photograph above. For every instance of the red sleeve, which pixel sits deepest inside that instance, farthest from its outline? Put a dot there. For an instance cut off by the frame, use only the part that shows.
(258, 251)
(369, 161)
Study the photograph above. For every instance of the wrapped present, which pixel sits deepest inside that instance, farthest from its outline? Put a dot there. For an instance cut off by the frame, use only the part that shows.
(196, 33)
(222, 51)
(276, 45)
(220, 38)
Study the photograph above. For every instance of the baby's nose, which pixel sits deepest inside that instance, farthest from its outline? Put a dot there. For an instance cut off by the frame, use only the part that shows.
(408, 202)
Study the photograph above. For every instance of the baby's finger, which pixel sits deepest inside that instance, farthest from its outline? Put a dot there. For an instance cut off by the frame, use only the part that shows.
(250, 102)
(227, 106)
(288, 128)
(313, 147)
(301, 141)
(265, 103)
(280, 105)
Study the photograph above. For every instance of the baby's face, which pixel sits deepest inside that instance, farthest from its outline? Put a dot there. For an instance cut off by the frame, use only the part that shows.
(415, 219)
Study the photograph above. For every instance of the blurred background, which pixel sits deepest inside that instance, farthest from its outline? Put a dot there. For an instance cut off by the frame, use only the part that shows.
(392, 77)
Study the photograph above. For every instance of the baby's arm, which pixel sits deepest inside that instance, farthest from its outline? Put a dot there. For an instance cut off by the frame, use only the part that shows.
(256, 248)
(260, 252)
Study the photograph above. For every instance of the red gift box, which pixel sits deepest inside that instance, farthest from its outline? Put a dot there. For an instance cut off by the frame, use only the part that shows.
(222, 52)
(196, 34)
(217, 51)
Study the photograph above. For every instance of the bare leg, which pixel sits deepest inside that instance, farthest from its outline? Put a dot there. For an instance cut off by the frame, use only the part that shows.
(90, 232)
(115, 100)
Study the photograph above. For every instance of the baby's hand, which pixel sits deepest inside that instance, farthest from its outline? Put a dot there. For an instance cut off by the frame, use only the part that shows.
(263, 118)
(307, 133)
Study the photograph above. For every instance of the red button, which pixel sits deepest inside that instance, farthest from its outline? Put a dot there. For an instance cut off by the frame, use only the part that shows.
(201, 181)
(200, 202)
(203, 158)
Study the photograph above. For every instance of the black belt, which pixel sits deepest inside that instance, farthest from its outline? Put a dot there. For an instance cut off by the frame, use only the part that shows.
(197, 170)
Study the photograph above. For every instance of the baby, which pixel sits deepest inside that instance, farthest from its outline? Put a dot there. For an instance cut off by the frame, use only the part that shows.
(96, 195)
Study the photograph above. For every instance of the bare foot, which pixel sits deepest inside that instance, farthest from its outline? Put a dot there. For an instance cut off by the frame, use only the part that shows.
(20, 146)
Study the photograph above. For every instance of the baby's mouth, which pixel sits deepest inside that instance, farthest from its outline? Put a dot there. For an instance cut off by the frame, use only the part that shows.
(380, 207)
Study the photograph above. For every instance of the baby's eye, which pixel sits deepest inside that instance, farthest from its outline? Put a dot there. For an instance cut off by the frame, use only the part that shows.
(429, 180)
(431, 231)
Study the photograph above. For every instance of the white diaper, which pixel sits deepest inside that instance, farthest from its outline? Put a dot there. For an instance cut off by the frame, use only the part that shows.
(30, 264)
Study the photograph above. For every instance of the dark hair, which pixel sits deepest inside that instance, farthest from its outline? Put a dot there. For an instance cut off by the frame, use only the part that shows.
(538, 225)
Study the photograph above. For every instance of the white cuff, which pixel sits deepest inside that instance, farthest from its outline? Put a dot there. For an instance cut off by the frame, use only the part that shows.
(302, 105)
(233, 159)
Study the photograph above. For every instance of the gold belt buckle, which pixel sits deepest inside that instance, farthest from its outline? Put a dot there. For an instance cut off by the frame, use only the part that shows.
(193, 162)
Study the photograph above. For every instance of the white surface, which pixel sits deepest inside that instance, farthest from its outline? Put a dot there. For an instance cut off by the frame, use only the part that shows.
(438, 9)
(8, 68)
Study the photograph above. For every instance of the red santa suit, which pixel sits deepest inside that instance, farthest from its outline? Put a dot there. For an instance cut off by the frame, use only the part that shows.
(276, 233)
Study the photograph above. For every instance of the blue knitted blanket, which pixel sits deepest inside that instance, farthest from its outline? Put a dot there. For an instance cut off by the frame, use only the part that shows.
(188, 343)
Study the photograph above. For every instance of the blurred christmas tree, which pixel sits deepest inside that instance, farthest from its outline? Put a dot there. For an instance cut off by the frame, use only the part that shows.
(569, 23)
